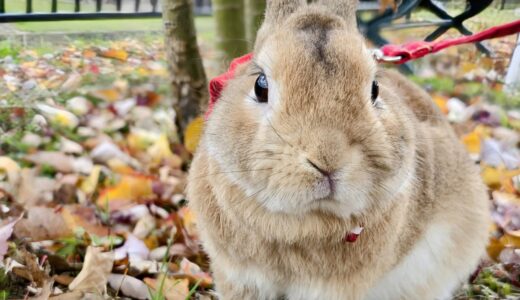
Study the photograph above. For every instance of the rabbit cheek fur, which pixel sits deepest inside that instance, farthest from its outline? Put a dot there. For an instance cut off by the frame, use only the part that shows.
(273, 225)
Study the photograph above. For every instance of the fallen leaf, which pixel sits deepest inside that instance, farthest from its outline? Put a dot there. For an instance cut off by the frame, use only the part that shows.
(115, 53)
(194, 271)
(42, 223)
(93, 277)
(31, 270)
(133, 248)
(88, 186)
(472, 142)
(193, 134)
(80, 216)
(160, 152)
(107, 95)
(172, 289)
(58, 116)
(129, 286)
(34, 189)
(10, 169)
(441, 103)
(5, 234)
(128, 189)
(495, 154)
(57, 160)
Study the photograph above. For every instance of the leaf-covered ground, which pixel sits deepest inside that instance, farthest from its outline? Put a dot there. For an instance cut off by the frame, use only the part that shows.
(92, 172)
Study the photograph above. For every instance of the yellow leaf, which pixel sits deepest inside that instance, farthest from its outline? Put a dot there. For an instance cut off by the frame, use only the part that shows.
(193, 133)
(108, 95)
(494, 248)
(10, 168)
(491, 177)
(172, 289)
(472, 142)
(88, 186)
(139, 139)
(467, 67)
(510, 241)
(160, 150)
(441, 102)
(117, 54)
(129, 188)
(120, 167)
(189, 221)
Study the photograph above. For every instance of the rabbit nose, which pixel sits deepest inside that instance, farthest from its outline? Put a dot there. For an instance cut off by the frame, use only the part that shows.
(327, 174)
(319, 169)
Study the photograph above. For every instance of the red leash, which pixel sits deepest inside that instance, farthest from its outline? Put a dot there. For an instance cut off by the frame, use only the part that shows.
(402, 53)
(390, 53)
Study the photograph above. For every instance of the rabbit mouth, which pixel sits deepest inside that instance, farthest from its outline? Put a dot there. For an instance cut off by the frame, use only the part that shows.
(326, 188)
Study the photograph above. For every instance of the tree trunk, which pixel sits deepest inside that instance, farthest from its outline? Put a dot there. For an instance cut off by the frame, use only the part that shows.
(255, 10)
(230, 25)
(184, 61)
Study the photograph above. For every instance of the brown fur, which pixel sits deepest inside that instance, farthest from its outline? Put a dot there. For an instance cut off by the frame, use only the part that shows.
(399, 169)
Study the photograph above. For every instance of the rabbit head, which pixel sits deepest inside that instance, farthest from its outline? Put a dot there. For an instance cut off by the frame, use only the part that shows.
(305, 126)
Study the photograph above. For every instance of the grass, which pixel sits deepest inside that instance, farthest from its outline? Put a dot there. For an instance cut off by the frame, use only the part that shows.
(489, 17)
(204, 25)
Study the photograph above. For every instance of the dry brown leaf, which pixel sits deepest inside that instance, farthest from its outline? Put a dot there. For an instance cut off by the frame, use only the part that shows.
(31, 269)
(45, 292)
(63, 279)
(34, 189)
(173, 289)
(77, 295)
(42, 223)
(93, 277)
(85, 217)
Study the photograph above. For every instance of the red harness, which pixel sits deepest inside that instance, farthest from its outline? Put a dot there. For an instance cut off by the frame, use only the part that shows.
(390, 53)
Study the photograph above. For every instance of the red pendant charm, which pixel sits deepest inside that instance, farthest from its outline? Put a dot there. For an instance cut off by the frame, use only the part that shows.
(353, 235)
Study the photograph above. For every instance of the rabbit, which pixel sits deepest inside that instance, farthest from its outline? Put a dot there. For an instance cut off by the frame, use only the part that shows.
(320, 175)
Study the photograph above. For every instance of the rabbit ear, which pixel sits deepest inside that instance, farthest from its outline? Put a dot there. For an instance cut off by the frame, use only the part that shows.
(344, 8)
(278, 10)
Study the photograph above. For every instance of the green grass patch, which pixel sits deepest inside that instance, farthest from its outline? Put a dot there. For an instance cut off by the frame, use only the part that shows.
(204, 25)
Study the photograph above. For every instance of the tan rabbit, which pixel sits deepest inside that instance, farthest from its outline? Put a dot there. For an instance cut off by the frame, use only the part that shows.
(311, 142)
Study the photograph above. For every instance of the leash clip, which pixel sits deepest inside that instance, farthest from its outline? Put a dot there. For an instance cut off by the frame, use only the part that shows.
(380, 56)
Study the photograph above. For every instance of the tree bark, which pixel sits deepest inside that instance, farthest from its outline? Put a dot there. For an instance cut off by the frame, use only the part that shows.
(184, 61)
(255, 11)
(230, 25)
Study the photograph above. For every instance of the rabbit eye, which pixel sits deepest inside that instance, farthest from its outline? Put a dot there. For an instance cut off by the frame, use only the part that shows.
(375, 91)
(261, 89)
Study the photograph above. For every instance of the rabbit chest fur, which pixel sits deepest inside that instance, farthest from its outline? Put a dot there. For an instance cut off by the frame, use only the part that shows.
(304, 145)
